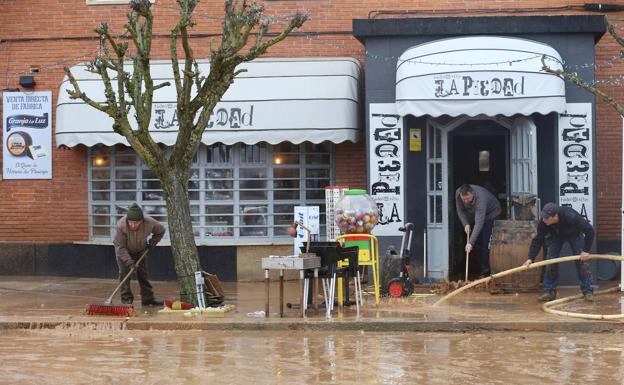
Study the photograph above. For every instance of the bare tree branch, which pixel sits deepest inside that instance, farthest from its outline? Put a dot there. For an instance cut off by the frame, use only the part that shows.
(135, 91)
(161, 85)
(260, 48)
(575, 79)
(77, 93)
(611, 28)
(173, 48)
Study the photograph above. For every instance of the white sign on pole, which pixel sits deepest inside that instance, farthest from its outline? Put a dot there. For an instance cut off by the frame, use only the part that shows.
(27, 135)
(386, 167)
(309, 217)
(576, 159)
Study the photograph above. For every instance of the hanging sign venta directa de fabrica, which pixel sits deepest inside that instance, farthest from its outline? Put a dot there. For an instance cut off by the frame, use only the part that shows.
(27, 135)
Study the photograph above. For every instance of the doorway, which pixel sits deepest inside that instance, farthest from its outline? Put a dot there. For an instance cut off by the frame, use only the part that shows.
(497, 152)
(478, 154)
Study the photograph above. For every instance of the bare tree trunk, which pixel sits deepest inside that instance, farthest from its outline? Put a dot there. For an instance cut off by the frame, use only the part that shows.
(185, 256)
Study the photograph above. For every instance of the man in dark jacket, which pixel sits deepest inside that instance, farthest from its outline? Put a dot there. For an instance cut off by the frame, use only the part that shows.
(561, 224)
(130, 241)
(477, 207)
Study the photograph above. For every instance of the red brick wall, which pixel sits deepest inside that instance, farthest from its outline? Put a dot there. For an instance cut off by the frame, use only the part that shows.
(351, 164)
(609, 139)
(54, 33)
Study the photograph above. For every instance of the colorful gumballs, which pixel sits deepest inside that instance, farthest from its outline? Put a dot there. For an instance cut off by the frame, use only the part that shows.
(356, 212)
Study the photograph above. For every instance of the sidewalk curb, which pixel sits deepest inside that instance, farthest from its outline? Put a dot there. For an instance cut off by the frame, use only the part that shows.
(327, 326)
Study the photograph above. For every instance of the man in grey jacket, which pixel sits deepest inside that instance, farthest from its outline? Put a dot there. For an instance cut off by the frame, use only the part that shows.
(477, 209)
(131, 240)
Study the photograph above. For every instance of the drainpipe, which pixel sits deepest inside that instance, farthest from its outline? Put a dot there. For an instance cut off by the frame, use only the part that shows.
(622, 224)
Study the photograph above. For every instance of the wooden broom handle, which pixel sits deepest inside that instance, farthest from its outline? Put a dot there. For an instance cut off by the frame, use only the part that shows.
(110, 299)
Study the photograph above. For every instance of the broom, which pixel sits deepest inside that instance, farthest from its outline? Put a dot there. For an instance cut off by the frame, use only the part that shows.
(107, 308)
(467, 255)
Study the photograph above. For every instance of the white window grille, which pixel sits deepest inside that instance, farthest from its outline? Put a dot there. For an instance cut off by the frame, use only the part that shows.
(237, 192)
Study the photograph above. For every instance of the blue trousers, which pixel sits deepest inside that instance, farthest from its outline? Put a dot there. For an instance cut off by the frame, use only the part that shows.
(483, 247)
(553, 249)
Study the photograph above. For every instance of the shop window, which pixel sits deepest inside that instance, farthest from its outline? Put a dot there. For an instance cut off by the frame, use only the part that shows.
(318, 153)
(125, 184)
(219, 221)
(219, 184)
(237, 192)
(286, 183)
(253, 184)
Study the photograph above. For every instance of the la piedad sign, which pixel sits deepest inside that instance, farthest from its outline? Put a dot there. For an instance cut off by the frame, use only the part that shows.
(386, 167)
(240, 116)
(576, 159)
(484, 86)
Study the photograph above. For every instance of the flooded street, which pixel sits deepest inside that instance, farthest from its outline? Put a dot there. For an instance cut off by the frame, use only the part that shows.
(495, 339)
(81, 356)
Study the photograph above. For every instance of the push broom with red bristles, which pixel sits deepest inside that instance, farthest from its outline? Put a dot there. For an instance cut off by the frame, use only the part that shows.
(107, 308)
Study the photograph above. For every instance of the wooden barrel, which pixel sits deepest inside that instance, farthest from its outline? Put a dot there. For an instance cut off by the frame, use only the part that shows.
(508, 249)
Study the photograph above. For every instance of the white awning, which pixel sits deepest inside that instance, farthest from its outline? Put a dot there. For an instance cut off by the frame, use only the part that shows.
(478, 75)
(276, 100)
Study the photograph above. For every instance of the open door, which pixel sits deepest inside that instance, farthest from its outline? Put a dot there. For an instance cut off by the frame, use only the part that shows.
(437, 202)
(478, 155)
(523, 162)
(497, 153)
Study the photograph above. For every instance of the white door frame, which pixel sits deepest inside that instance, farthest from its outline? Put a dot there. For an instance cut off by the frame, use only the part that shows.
(437, 194)
(438, 226)
(523, 155)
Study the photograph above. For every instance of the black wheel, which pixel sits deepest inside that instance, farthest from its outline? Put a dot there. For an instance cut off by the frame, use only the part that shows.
(395, 288)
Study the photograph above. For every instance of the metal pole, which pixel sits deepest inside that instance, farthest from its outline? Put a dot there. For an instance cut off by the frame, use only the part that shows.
(425, 252)
(622, 211)
(267, 285)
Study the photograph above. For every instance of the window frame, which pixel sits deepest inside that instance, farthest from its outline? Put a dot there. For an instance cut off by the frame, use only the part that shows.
(275, 232)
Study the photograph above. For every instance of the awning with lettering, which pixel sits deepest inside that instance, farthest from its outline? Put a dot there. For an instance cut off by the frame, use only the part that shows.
(478, 75)
(276, 100)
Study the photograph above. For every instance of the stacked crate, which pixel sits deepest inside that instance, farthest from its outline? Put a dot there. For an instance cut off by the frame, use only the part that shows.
(332, 196)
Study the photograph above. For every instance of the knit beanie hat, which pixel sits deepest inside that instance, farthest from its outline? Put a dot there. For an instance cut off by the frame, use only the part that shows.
(134, 213)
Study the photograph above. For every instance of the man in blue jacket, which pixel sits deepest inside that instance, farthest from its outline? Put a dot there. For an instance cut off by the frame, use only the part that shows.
(561, 224)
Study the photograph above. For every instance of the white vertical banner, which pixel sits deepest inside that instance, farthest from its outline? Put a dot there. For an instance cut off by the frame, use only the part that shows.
(622, 222)
(27, 135)
(576, 159)
(310, 218)
(386, 171)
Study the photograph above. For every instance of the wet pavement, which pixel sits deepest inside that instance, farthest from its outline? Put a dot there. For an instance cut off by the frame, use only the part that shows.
(59, 302)
(101, 356)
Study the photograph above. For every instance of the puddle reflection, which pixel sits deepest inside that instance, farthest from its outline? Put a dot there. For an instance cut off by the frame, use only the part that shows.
(198, 357)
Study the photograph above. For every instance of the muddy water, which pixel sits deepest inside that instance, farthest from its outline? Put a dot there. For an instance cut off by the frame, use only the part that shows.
(199, 357)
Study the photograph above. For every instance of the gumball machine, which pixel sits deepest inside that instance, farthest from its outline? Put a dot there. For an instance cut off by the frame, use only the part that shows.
(356, 216)
(356, 213)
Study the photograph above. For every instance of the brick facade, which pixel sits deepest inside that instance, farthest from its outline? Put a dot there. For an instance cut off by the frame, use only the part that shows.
(53, 34)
